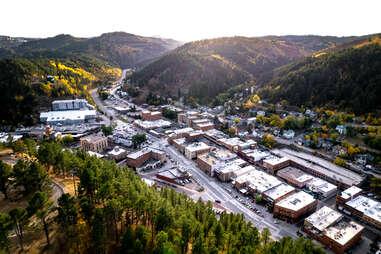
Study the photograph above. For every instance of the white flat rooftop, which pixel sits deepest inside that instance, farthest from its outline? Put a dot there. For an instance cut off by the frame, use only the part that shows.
(184, 130)
(324, 218)
(275, 160)
(319, 185)
(67, 115)
(322, 166)
(343, 231)
(296, 201)
(350, 192)
(259, 180)
(369, 207)
(278, 191)
(197, 146)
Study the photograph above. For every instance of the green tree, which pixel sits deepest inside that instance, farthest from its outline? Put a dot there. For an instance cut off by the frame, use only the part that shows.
(6, 226)
(67, 215)
(19, 146)
(265, 235)
(40, 206)
(32, 176)
(138, 139)
(5, 174)
(31, 146)
(20, 219)
(98, 233)
(107, 130)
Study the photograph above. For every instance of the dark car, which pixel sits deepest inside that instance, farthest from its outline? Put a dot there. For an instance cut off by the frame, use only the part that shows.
(218, 201)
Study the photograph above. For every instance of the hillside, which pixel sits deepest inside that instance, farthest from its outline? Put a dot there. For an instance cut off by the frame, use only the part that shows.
(118, 48)
(348, 79)
(203, 69)
(25, 89)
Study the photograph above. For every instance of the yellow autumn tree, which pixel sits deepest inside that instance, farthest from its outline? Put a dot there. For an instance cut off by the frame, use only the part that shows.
(255, 98)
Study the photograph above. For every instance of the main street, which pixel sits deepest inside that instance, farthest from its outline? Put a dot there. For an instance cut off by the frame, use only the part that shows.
(214, 190)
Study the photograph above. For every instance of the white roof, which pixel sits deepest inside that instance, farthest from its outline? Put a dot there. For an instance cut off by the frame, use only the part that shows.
(319, 185)
(324, 218)
(296, 201)
(275, 160)
(117, 151)
(197, 146)
(153, 124)
(143, 151)
(324, 167)
(350, 192)
(54, 116)
(279, 191)
(343, 231)
(184, 130)
(369, 207)
(98, 155)
(259, 180)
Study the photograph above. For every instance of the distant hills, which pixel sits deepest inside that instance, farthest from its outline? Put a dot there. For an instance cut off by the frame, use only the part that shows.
(206, 68)
(346, 76)
(120, 49)
(77, 64)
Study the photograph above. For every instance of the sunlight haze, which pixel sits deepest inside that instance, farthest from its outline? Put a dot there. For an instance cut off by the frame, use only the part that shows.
(189, 20)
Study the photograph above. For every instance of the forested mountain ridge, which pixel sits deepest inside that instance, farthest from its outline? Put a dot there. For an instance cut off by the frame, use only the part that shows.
(75, 63)
(205, 68)
(118, 48)
(25, 88)
(348, 79)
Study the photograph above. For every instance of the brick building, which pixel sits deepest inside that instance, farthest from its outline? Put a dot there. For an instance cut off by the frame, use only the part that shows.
(151, 116)
(137, 159)
(294, 207)
(328, 226)
(275, 164)
(277, 193)
(294, 176)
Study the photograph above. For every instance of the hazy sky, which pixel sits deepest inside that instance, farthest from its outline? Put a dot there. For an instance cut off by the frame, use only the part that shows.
(189, 20)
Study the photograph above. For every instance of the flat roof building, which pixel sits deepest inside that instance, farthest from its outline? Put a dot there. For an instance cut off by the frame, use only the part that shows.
(193, 150)
(295, 207)
(322, 187)
(64, 105)
(151, 115)
(67, 117)
(278, 193)
(149, 125)
(210, 161)
(274, 164)
(321, 168)
(294, 176)
(327, 226)
(348, 194)
(365, 208)
(257, 181)
(137, 159)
